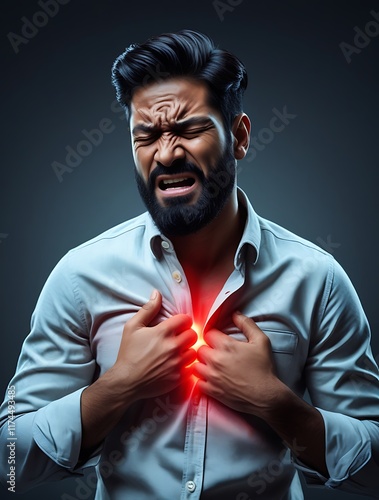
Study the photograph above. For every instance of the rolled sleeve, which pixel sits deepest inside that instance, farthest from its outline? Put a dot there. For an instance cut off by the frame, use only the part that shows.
(347, 449)
(348, 446)
(57, 431)
(343, 383)
(55, 366)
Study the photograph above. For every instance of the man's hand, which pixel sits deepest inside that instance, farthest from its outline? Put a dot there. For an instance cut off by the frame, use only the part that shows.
(239, 374)
(154, 360)
(151, 361)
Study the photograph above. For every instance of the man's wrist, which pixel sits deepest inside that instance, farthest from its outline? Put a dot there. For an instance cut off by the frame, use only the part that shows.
(116, 385)
(284, 407)
(279, 402)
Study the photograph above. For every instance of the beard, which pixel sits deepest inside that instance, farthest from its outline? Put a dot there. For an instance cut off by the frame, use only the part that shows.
(180, 217)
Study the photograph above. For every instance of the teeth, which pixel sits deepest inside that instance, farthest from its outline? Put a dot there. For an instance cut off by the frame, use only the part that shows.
(173, 181)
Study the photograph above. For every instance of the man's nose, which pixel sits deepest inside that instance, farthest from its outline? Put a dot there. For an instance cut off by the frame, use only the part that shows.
(168, 152)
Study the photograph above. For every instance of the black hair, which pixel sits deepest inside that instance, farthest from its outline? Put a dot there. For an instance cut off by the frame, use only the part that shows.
(186, 53)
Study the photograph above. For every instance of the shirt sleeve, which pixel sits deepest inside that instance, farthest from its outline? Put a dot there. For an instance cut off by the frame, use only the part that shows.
(343, 382)
(54, 367)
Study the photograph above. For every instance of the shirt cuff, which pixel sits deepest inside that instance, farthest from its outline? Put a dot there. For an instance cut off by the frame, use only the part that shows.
(347, 450)
(57, 430)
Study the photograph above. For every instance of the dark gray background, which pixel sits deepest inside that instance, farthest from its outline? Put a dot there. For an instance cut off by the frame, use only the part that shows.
(318, 177)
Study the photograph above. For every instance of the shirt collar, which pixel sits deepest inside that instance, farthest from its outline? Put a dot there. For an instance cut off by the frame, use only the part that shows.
(248, 247)
(251, 237)
(155, 236)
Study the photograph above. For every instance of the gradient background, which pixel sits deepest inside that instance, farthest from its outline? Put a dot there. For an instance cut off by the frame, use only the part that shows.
(318, 177)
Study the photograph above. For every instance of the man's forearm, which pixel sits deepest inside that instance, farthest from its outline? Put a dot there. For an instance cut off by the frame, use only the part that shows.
(102, 405)
(300, 425)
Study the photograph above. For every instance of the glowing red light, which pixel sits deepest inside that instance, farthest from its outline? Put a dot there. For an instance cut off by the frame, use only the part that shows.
(200, 339)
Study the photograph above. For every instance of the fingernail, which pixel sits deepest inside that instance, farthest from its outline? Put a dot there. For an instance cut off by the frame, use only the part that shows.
(238, 313)
(154, 295)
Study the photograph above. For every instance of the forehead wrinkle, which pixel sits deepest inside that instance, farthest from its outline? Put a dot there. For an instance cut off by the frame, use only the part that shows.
(144, 112)
(168, 111)
(170, 107)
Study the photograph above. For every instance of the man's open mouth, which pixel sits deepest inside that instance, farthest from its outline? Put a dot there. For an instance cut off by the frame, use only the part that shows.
(180, 182)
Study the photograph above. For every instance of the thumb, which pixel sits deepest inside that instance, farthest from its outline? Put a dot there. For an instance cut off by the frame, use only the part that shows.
(247, 326)
(147, 312)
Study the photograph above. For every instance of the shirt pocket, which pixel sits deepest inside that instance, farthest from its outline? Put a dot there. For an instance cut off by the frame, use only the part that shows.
(282, 341)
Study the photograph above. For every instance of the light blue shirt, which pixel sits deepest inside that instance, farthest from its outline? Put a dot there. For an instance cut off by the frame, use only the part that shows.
(182, 445)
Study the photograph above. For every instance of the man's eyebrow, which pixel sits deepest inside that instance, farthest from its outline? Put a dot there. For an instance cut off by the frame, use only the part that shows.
(183, 124)
(195, 120)
(144, 128)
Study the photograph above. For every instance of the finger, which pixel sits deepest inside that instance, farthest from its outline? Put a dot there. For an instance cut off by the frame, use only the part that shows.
(215, 338)
(188, 357)
(147, 312)
(176, 324)
(247, 326)
(204, 353)
(200, 371)
(186, 339)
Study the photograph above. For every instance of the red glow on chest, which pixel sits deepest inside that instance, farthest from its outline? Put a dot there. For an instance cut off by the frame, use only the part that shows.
(200, 337)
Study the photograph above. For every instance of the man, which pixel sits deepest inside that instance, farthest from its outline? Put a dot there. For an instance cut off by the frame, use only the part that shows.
(198, 391)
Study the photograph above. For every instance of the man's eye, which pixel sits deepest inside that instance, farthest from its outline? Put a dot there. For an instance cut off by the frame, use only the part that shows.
(144, 139)
(193, 132)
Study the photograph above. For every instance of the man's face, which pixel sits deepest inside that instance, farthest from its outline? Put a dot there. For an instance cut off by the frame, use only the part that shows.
(180, 149)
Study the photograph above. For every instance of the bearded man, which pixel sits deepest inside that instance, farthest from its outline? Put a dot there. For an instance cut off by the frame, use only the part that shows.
(197, 391)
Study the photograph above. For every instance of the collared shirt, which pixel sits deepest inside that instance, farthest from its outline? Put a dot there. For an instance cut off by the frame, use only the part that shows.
(183, 445)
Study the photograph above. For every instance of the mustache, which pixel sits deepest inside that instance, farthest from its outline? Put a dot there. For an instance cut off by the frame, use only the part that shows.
(177, 167)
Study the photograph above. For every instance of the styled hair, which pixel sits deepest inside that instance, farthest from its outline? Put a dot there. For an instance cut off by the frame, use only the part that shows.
(186, 53)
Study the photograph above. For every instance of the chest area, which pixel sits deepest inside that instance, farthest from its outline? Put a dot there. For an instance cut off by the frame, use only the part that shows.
(204, 290)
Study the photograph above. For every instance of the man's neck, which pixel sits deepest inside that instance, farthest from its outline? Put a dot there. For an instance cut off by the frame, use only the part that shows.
(216, 243)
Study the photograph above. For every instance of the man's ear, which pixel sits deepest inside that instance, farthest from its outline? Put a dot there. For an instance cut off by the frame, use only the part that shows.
(241, 135)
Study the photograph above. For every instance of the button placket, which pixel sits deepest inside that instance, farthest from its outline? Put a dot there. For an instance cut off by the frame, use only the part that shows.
(178, 285)
(194, 449)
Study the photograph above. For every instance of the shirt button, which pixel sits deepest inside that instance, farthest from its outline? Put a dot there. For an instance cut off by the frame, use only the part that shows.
(191, 486)
(177, 276)
(165, 245)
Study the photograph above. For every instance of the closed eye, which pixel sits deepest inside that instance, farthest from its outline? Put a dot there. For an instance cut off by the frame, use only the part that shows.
(180, 131)
(191, 133)
(146, 139)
